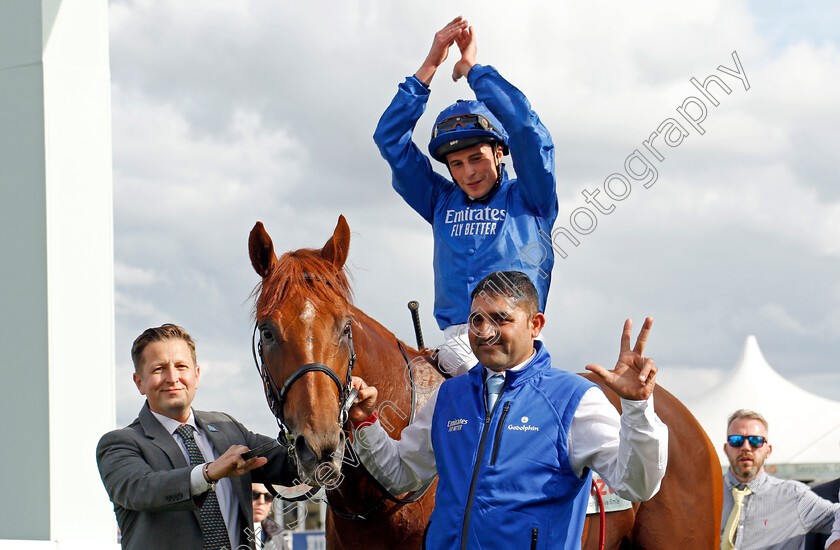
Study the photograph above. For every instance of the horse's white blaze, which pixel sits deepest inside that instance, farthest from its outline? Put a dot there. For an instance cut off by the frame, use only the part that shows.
(307, 316)
(308, 312)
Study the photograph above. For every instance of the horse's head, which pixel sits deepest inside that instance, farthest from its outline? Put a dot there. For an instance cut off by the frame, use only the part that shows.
(303, 316)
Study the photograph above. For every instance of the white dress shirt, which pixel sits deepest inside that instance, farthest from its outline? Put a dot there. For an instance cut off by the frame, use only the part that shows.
(198, 485)
(835, 530)
(629, 452)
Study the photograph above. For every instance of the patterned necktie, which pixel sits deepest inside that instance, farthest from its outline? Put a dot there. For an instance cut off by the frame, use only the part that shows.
(212, 523)
(727, 541)
(494, 387)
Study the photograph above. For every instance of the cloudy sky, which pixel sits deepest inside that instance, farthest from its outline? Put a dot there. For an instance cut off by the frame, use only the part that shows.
(225, 113)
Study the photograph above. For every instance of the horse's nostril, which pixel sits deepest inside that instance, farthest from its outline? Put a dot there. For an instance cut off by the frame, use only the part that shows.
(303, 451)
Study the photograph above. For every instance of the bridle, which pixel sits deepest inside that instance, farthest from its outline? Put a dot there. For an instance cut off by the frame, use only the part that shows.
(277, 398)
(346, 396)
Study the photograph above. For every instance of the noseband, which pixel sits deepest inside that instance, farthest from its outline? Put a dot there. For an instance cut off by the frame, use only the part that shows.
(277, 398)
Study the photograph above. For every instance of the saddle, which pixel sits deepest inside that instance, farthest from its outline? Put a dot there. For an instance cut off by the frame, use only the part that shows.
(431, 357)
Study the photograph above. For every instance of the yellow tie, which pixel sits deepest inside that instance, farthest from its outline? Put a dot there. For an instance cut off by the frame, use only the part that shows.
(727, 541)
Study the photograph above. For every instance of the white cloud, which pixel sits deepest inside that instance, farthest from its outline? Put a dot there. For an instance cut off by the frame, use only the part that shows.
(127, 305)
(127, 275)
(166, 169)
(780, 317)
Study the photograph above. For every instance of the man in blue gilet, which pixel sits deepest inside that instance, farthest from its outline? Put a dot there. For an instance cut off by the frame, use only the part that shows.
(484, 221)
(514, 440)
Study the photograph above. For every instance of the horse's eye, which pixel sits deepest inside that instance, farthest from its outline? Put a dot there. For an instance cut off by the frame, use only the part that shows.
(266, 334)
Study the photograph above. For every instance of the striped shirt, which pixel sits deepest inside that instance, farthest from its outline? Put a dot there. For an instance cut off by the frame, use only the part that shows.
(778, 514)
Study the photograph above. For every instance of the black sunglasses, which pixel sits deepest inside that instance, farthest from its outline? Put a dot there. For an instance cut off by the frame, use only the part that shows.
(756, 441)
(256, 495)
(463, 121)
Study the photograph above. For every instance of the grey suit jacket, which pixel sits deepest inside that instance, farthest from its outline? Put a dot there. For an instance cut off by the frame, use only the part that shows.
(148, 480)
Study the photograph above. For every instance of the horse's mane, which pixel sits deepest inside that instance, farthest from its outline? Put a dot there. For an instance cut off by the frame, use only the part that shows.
(302, 272)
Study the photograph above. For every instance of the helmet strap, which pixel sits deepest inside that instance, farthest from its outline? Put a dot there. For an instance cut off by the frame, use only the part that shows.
(499, 165)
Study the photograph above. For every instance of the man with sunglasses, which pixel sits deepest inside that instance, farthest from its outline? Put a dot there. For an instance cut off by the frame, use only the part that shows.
(268, 534)
(761, 511)
(484, 221)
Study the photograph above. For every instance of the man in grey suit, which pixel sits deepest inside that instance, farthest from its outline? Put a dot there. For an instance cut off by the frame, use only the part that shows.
(176, 476)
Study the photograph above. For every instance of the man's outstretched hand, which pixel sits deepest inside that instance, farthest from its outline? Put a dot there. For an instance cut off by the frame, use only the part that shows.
(634, 375)
(231, 463)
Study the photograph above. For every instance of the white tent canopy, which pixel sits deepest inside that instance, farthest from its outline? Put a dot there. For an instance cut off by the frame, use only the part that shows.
(804, 428)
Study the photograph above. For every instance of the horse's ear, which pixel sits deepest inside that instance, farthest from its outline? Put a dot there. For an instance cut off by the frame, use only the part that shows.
(261, 250)
(335, 251)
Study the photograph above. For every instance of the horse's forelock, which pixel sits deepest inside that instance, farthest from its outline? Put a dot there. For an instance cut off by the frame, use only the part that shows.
(305, 273)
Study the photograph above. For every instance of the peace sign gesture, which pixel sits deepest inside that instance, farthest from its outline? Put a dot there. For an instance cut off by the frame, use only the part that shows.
(634, 375)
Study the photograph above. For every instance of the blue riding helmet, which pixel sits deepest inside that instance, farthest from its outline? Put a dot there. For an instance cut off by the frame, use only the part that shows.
(464, 124)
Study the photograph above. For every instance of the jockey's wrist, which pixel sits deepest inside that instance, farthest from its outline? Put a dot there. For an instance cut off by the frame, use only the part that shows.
(369, 421)
(425, 73)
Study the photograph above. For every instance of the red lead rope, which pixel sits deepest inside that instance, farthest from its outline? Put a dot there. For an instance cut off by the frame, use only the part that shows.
(601, 514)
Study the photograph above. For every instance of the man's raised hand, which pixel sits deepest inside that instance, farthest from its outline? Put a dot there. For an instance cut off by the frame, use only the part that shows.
(444, 39)
(634, 375)
(467, 45)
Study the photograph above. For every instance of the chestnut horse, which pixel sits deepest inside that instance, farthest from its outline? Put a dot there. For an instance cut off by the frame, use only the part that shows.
(311, 336)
